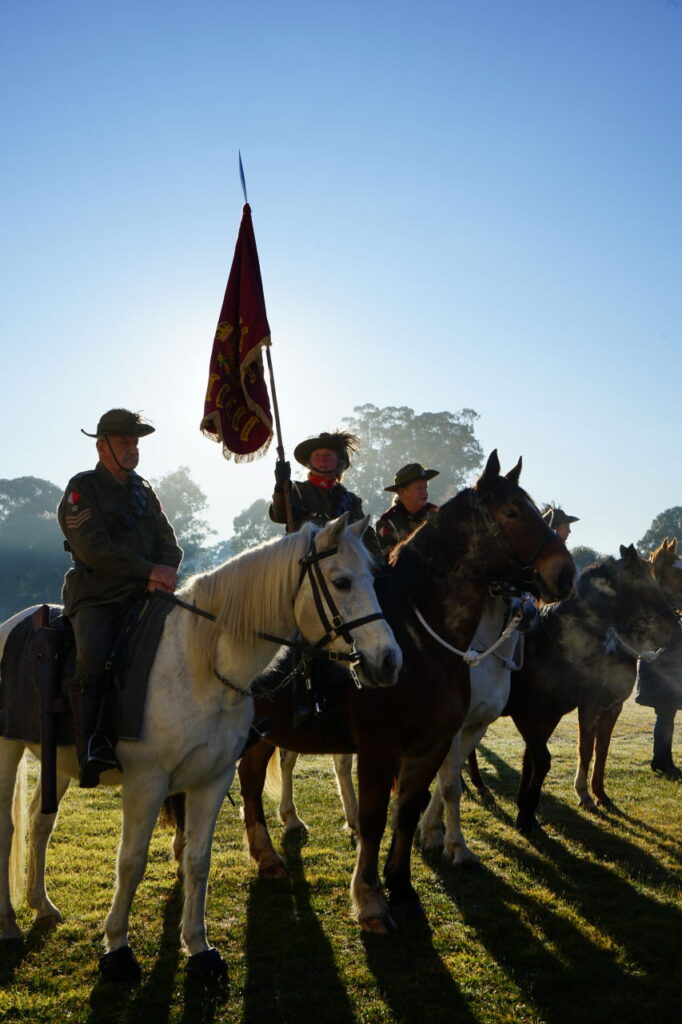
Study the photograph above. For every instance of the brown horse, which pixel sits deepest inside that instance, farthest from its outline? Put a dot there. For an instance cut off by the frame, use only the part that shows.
(584, 654)
(432, 597)
(659, 685)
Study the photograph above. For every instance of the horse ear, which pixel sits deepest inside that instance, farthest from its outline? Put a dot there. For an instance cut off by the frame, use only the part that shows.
(629, 554)
(333, 530)
(515, 473)
(491, 471)
(673, 545)
(359, 528)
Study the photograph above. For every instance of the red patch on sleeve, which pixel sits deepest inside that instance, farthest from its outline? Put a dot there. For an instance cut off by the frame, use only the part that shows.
(74, 497)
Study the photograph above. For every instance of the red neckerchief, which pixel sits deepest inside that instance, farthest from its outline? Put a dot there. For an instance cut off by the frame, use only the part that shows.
(323, 482)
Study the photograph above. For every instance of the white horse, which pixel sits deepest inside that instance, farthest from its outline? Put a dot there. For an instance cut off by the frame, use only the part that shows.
(490, 683)
(198, 714)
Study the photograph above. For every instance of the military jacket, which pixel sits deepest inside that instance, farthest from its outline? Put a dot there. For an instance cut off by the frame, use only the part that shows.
(116, 533)
(397, 523)
(311, 504)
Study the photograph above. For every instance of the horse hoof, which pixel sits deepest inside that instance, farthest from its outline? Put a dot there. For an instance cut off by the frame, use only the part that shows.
(273, 871)
(119, 965)
(207, 966)
(384, 925)
(525, 825)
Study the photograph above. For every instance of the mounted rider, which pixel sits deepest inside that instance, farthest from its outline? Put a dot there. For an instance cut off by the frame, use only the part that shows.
(558, 521)
(121, 544)
(411, 505)
(321, 496)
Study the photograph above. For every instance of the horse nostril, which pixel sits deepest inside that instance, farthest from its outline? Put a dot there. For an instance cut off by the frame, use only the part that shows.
(388, 666)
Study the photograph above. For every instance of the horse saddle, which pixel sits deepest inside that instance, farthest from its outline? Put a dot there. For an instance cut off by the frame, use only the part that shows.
(132, 657)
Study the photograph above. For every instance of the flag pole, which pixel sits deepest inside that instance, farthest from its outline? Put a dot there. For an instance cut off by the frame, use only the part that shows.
(273, 390)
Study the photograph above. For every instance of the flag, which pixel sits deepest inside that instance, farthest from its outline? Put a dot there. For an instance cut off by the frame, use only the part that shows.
(237, 406)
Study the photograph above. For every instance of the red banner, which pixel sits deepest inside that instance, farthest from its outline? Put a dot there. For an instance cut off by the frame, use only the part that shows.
(237, 406)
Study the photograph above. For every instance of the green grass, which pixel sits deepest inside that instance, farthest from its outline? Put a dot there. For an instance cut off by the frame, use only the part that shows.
(580, 923)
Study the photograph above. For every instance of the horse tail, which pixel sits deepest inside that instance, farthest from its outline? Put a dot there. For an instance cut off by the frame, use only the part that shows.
(17, 857)
(172, 813)
(273, 777)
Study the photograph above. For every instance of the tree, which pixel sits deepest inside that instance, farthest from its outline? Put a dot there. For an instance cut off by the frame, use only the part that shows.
(183, 502)
(253, 525)
(583, 555)
(394, 436)
(32, 556)
(666, 524)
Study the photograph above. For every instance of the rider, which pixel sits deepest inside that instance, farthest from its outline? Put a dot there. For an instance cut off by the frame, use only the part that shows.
(411, 505)
(318, 499)
(121, 544)
(321, 496)
(557, 519)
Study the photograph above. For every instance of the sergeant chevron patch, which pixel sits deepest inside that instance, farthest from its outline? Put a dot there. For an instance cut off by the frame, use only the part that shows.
(73, 522)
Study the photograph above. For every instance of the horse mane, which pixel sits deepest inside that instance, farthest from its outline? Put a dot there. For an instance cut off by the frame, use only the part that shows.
(245, 594)
(419, 558)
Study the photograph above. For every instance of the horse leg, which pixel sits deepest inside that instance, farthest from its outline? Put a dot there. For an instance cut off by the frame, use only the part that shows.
(416, 774)
(252, 770)
(455, 847)
(202, 806)
(343, 768)
(376, 771)
(537, 761)
(431, 830)
(40, 830)
(142, 796)
(476, 777)
(605, 727)
(11, 752)
(588, 716)
(288, 814)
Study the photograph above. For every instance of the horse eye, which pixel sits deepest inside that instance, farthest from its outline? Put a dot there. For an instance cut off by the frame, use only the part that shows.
(511, 513)
(343, 583)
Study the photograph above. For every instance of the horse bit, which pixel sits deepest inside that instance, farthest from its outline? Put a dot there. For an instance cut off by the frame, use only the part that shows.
(332, 623)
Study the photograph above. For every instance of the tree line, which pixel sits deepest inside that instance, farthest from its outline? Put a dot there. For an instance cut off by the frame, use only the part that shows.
(33, 560)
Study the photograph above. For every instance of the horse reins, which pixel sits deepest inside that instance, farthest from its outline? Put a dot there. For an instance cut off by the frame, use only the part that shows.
(472, 657)
(528, 571)
(329, 615)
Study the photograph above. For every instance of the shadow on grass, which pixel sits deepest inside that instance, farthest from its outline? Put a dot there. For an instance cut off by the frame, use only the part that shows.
(14, 952)
(291, 970)
(609, 957)
(150, 1002)
(412, 978)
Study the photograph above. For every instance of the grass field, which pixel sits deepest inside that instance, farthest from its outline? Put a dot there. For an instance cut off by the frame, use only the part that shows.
(580, 923)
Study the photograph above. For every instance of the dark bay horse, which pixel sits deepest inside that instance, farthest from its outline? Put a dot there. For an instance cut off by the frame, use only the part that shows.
(432, 597)
(584, 654)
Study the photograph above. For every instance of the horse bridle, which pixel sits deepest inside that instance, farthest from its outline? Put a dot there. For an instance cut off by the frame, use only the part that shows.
(328, 613)
(528, 571)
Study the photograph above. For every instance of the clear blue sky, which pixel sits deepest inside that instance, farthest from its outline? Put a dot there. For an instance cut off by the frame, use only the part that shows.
(457, 204)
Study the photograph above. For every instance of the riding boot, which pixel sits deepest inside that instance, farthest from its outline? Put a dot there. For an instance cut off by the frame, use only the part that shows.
(662, 760)
(94, 748)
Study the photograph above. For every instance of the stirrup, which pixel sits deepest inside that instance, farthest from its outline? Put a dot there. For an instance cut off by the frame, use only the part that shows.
(100, 757)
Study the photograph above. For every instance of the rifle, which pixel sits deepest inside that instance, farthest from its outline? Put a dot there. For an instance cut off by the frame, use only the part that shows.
(48, 644)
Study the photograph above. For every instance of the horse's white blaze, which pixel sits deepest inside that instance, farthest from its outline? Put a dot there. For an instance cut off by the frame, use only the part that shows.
(194, 726)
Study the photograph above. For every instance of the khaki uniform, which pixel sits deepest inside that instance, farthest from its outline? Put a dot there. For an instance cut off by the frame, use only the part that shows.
(397, 523)
(116, 534)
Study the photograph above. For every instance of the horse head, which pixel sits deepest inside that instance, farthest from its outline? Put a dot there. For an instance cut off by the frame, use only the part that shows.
(624, 594)
(667, 569)
(521, 546)
(336, 607)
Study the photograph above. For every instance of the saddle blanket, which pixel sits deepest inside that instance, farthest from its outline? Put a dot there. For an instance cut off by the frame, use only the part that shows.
(20, 697)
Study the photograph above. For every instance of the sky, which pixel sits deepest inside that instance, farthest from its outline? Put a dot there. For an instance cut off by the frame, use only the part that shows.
(456, 204)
